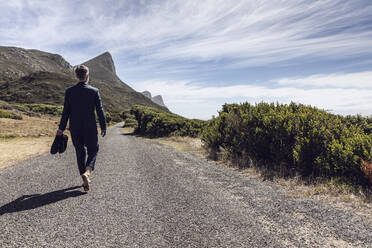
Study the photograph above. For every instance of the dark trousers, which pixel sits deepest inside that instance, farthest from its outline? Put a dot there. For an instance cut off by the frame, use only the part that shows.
(85, 142)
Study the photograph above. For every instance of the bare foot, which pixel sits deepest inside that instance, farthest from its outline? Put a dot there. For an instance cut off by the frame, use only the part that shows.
(86, 181)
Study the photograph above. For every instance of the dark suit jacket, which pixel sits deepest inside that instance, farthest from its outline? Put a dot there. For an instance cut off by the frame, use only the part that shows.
(80, 102)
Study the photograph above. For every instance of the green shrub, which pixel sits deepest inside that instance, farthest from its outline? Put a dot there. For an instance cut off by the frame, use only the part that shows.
(108, 117)
(365, 123)
(157, 123)
(112, 117)
(301, 138)
(128, 118)
(45, 109)
(126, 114)
(9, 115)
(130, 123)
(19, 107)
(115, 117)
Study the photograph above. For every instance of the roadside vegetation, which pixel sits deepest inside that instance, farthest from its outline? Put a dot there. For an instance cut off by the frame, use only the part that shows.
(28, 120)
(45, 109)
(31, 109)
(26, 137)
(293, 140)
(9, 115)
(15, 149)
(157, 123)
(277, 140)
(129, 119)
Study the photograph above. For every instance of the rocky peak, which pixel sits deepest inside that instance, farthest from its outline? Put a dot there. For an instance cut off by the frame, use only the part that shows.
(104, 60)
(156, 99)
(146, 94)
(159, 100)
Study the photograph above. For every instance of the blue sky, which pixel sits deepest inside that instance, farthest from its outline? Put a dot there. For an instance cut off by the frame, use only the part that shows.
(201, 54)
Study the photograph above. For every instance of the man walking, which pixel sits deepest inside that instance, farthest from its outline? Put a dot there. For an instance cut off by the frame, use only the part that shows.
(80, 102)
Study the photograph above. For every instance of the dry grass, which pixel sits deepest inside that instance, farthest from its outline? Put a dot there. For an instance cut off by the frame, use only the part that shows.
(336, 195)
(128, 130)
(18, 149)
(332, 193)
(29, 126)
(22, 139)
(328, 193)
(187, 144)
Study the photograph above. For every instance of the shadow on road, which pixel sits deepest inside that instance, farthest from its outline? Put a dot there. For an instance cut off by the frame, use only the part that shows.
(27, 202)
(130, 134)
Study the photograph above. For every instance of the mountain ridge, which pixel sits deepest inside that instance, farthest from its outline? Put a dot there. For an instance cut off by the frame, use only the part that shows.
(34, 76)
(16, 62)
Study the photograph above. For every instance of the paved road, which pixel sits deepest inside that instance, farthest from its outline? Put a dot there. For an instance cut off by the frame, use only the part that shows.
(147, 195)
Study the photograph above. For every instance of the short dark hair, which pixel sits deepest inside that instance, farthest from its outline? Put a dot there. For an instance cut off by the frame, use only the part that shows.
(81, 71)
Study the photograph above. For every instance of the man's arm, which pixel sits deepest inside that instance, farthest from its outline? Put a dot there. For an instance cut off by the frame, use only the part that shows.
(100, 113)
(65, 115)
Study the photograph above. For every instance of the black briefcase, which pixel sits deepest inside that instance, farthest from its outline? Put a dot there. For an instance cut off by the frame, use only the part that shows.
(59, 144)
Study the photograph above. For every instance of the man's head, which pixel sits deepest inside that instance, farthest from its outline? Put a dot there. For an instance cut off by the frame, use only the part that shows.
(82, 73)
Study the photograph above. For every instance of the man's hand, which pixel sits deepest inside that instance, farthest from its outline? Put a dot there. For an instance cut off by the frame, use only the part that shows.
(103, 133)
(59, 132)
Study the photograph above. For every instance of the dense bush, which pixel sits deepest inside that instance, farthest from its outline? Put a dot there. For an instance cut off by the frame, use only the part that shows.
(44, 108)
(157, 123)
(113, 116)
(108, 117)
(365, 123)
(9, 115)
(128, 118)
(301, 138)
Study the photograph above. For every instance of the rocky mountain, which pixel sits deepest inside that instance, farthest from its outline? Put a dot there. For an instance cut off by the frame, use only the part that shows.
(18, 62)
(156, 99)
(147, 94)
(102, 68)
(104, 60)
(32, 76)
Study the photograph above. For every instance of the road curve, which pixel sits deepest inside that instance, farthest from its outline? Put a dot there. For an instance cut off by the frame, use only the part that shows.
(147, 195)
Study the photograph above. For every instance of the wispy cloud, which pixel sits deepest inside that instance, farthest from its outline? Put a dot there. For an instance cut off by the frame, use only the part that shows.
(360, 80)
(184, 95)
(247, 32)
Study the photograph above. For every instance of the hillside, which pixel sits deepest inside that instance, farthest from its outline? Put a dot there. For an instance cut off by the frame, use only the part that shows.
(32, 76)
(18, 62)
